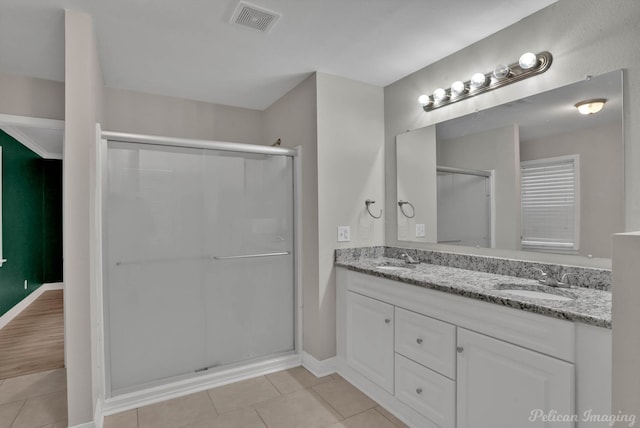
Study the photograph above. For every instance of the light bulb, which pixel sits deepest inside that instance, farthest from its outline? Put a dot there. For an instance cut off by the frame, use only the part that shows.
(424, 100)
(501, 71)
(439, 95)
(528, 60)
(477, 81)
(457, 88)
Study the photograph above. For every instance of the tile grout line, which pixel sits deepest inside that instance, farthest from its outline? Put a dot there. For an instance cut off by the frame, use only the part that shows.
(282, 394)
(215, 409)
(260, 416)
(384, 416)
(317, 394)
(24, 403)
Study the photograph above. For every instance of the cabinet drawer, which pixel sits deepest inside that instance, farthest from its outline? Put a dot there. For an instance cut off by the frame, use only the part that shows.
(426, 391)
(427, 341)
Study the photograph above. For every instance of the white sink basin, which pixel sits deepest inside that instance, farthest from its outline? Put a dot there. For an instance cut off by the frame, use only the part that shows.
(392, 268)
(537, 294)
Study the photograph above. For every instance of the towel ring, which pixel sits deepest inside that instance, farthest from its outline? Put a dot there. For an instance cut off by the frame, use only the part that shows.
(413, 209)
(369, 202)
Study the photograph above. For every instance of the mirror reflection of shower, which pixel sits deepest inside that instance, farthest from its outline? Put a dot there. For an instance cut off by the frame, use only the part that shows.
(464, 207)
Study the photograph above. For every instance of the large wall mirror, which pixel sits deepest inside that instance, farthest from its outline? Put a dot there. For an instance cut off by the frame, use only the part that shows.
(532, 174)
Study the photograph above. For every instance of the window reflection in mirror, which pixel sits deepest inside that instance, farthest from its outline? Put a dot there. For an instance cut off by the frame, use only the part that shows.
(496, 141)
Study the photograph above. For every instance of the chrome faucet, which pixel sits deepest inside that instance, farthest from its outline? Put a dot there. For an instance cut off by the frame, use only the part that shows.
(408, 259)
(549, 280)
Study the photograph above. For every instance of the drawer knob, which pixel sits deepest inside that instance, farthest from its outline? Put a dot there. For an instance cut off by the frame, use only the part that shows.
(387, 320)
(419, 391)
(459, 349)
(418, 341)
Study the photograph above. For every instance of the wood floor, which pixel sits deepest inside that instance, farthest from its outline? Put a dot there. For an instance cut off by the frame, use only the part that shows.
(34, 340)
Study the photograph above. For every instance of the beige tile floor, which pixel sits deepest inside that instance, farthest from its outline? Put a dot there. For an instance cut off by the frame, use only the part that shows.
(36, 400)
(288, 399)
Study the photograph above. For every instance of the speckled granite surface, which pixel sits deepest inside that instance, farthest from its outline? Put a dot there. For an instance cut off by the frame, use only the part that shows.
(578, 276)
(588, 305)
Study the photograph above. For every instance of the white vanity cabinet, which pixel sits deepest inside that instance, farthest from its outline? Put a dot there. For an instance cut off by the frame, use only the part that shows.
(370, 346)
(500, 384)
(425, 366)
(439, 360)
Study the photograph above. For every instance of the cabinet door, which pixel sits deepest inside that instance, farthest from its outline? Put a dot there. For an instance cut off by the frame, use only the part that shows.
(370, 339)
(501, 385)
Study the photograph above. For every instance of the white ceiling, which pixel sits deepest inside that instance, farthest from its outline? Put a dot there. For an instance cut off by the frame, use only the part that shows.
(46, 142)
(188, 49)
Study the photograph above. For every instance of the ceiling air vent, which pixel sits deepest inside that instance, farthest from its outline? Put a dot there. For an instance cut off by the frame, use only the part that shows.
(257, 18)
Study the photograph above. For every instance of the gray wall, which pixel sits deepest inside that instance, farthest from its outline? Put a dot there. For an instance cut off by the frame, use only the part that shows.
(293, 119)
(83, 104)
(626, 318)
(28, 96)
(601, 180)
(586, 37)
(350, 170)
(137, 112)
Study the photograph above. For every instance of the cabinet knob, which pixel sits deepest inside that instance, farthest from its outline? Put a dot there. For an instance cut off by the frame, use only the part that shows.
(460, 349)
(419, 391)
(387, 320)
(418, 341)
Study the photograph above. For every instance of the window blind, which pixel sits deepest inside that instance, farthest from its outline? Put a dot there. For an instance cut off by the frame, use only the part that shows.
(550, 203)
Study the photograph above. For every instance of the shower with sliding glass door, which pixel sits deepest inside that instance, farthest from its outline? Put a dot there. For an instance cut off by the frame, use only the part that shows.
(199, 266)
(464, 201)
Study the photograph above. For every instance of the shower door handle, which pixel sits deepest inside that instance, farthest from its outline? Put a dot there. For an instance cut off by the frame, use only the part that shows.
(250, 256)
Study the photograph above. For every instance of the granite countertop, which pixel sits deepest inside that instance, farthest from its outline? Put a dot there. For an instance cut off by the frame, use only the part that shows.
(588, 305)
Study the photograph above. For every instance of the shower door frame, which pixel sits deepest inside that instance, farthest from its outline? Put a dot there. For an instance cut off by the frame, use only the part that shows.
(190, 382)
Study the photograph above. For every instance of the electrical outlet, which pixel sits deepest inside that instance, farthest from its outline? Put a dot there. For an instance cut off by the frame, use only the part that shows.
(344, 234)
(420, 231)
(26, 284)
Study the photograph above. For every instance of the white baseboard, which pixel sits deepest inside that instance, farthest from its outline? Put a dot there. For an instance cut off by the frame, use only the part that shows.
(24, 303)
(180, 388)
(85, 425)
(318, 368)
(98, 415)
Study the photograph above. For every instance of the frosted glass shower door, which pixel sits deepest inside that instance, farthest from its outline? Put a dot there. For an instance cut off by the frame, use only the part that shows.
(464, 209)
(248, 286)
(199, 268)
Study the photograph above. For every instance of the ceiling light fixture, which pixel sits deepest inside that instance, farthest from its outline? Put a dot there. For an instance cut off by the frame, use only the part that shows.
(591, 106)
(528, 65)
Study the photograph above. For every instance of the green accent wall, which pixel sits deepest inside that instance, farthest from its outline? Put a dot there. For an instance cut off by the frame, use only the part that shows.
(31, 221)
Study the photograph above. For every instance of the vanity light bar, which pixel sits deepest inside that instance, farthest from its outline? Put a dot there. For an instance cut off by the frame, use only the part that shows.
(527, 66)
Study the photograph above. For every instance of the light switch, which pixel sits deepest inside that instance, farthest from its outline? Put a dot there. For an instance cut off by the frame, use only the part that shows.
(420, 231)
(344, 234)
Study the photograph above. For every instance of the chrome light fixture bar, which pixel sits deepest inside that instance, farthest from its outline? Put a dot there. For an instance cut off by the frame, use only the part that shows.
(528, 65)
